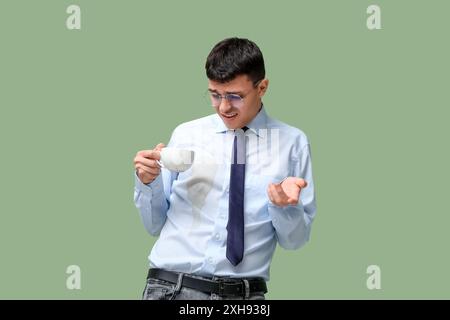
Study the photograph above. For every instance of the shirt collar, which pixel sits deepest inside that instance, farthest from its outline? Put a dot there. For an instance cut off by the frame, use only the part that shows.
(258, 122)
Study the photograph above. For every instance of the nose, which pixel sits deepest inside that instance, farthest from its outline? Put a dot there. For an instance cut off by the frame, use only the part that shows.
(225, 106)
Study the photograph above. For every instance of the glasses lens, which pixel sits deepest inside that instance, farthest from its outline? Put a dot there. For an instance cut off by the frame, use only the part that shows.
(235, 100)
(215, 99)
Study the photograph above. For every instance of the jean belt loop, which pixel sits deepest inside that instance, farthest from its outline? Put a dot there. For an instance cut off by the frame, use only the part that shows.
(179, 282)
(247, 288)
(177, 289)
(221, 286)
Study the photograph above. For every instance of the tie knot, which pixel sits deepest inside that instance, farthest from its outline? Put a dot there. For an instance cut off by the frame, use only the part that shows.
(238, 130)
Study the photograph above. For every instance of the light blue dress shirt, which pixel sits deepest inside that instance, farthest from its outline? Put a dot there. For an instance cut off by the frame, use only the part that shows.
(189, 210)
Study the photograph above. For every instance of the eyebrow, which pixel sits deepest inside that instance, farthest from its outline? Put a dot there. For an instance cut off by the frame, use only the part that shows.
(226, 92)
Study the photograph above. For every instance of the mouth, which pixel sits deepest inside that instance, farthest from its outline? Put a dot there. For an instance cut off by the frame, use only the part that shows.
(229, 116)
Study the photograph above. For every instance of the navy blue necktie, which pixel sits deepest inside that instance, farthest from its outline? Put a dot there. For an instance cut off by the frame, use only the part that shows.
(235, 226)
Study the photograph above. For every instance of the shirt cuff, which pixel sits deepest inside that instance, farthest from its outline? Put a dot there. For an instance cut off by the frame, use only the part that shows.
(149, 188)
(285, 213)
(298, 205)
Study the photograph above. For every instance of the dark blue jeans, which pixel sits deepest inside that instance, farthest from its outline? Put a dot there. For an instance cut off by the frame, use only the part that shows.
(156, 289)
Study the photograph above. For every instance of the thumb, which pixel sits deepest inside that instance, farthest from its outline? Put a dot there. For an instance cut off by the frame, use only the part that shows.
(301, 183)
(160, 146)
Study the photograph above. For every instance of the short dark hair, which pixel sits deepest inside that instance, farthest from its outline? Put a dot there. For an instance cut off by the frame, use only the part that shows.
(233, 57)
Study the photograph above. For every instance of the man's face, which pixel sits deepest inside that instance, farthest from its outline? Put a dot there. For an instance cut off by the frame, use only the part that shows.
(238, 117)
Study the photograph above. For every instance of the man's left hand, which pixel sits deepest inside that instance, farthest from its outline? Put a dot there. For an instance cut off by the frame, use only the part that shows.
(287, 192)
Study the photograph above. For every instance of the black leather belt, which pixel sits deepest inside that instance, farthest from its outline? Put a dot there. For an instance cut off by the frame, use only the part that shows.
(221, 286)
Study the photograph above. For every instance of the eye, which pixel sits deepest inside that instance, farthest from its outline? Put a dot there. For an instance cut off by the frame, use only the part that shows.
(234, 97)
(215, 96)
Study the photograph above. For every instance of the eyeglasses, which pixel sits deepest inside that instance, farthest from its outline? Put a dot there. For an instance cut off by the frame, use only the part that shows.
(235, 100)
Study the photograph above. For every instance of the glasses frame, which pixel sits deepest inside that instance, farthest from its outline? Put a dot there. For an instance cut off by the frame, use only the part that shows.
(227, 95)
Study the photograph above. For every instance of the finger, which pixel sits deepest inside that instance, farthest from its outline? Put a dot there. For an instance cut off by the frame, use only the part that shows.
(287, 199)
(269, 194)
(279, 189)
(283, 195)
(140, 172)
(140, 168)
(151, 171)
(301, 182)
(278, 196)
(272, 199)
(146, 162)
(150, 154)
(142, 152)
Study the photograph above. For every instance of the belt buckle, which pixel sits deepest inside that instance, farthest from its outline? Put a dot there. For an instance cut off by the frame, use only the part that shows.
(243, 289)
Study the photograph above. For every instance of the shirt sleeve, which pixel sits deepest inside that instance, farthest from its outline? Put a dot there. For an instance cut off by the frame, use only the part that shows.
(153, 199)
(292, 223)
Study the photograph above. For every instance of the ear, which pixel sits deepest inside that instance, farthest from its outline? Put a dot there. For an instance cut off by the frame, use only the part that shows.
(262, 87)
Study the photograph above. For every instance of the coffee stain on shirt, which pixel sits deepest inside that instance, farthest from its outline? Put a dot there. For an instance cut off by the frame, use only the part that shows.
(200, 184)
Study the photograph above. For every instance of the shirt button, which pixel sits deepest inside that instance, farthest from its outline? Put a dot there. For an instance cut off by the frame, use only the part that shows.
(217, 236)
(210, 260)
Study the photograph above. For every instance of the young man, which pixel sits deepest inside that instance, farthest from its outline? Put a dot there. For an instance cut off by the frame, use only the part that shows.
(250, 186)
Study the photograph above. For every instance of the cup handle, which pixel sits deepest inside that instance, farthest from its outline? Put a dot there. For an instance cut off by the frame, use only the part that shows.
(160, 163)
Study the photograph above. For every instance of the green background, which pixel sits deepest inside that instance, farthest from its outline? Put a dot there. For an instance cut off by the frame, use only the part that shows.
(76, 106)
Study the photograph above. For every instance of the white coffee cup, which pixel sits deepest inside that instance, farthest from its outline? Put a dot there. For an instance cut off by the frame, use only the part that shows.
(176, 159)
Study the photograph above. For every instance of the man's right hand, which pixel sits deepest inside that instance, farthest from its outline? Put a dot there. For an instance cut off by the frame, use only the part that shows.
(145, 163)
